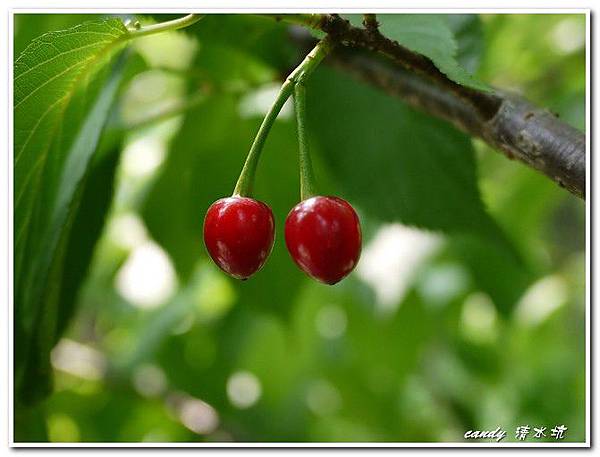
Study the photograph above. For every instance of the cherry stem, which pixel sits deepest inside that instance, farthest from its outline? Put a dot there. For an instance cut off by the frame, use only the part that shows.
(245, 182)
(175, 24)
(307, 180)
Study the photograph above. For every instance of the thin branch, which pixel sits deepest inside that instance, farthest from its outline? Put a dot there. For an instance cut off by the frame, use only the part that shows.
(370, 23)
(175, 24)
(506, 122)
(339, 29)
(519, 129)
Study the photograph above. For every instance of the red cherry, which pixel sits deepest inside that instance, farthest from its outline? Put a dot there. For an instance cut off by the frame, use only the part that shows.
(323, 237)
(239, 234)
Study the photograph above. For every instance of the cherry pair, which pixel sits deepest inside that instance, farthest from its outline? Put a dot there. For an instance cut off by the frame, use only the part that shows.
(322, 235)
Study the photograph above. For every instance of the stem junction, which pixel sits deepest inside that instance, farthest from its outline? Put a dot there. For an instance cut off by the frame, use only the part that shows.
(175, 24)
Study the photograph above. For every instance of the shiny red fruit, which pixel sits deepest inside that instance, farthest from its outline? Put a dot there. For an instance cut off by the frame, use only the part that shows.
(239, 234)
(323, 236)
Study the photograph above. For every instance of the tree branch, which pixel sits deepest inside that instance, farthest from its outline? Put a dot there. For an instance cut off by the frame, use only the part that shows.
(505, 121)
(519, 129)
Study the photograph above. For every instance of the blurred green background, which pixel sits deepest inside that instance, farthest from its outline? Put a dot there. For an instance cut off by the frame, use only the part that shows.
(437, 331)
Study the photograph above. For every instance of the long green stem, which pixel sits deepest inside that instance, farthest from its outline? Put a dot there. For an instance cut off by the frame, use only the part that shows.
(175, 24)
(307, 180)
(245, 182)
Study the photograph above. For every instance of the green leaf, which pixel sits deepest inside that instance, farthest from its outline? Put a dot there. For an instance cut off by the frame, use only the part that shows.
(400, 165)
(51, 72)
(495, 271)
(59, 190)
(468, 32)
(427, 34)
(88, 223)
(69, 267)
(28, 27)
(76, 163)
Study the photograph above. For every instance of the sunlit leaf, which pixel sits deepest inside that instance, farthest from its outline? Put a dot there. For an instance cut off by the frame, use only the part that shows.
(47, 75)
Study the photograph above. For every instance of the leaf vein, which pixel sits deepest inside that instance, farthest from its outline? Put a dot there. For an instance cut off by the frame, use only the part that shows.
(61, 54)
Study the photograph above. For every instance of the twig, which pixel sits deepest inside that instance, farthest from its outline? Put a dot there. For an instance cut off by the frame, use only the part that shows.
(505, 121)
(175, 24)
(370, 23)
(341, 30)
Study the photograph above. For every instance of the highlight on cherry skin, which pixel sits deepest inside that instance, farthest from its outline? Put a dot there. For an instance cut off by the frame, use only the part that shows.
(239, 234)
(324, 238)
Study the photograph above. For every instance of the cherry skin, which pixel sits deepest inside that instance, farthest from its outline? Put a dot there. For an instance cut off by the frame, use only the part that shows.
(239, 234)
(323, 237)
